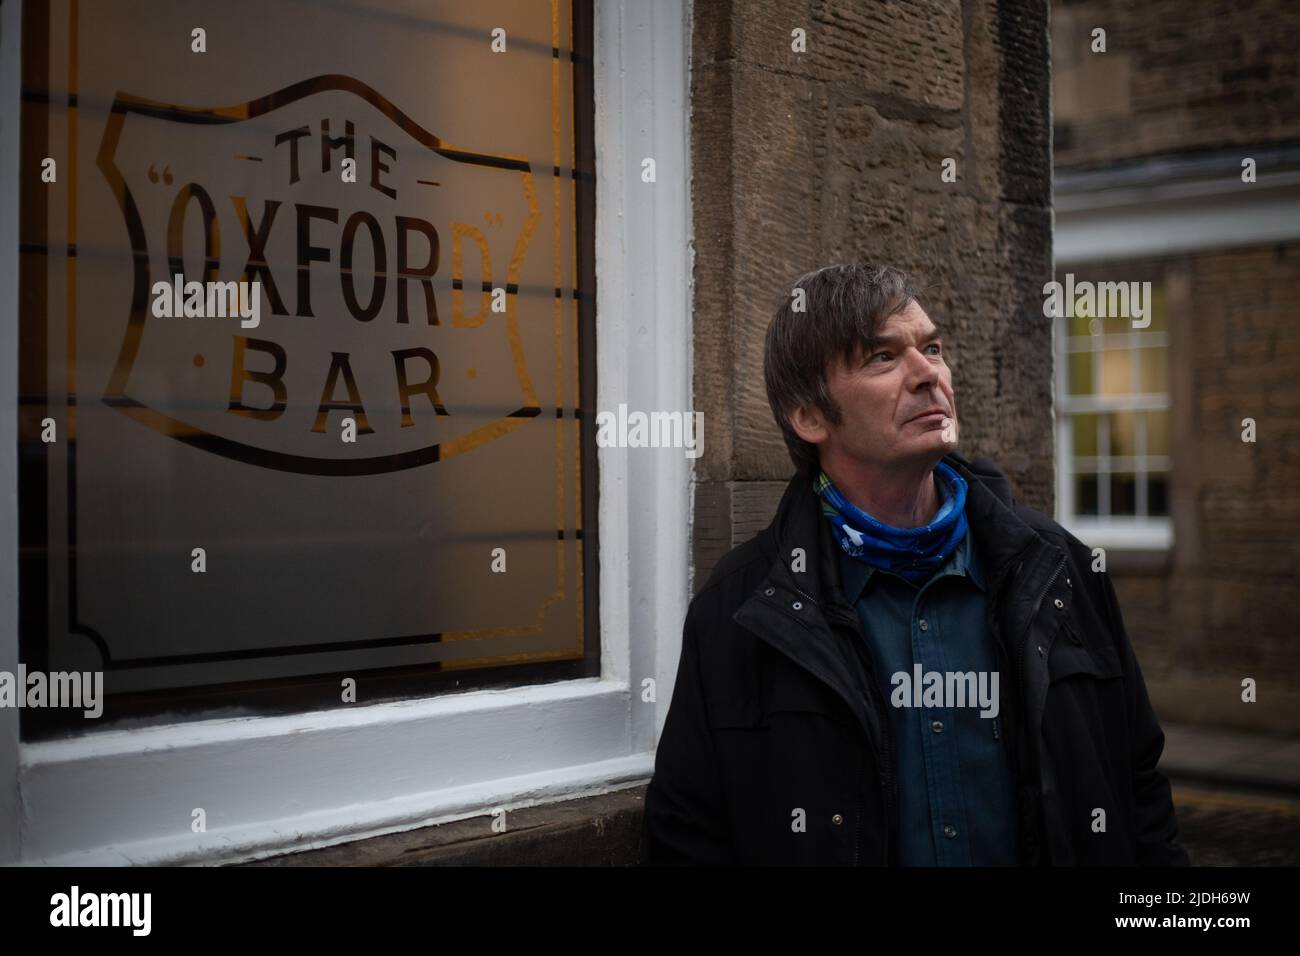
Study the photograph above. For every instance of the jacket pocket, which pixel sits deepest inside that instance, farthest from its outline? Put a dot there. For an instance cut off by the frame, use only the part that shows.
(1085, 742)
(733, 713)
(1071, 656)
(796, 696)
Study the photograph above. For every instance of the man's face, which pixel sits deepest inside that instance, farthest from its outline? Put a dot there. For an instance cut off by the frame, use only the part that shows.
(886, 399)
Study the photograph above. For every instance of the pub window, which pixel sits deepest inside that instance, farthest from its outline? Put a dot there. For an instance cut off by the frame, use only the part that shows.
(1113, 411)
(373, 477)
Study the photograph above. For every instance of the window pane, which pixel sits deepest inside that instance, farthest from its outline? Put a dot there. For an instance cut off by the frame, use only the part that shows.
(1085, 494)
(1116, 324)
(1158, 494)
(1123, 433)
(1123, 494)
(439, 301)
(1085, 434)
(1116, 371)
(1080, 373)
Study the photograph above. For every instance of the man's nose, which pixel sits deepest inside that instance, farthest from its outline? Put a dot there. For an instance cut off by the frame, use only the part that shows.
(921, 371)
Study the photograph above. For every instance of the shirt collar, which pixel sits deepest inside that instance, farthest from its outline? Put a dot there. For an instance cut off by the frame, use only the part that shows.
(855, 573)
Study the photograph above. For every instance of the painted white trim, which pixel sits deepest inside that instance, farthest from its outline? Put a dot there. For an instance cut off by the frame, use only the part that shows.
(642, 106)
(1163, 219)
(274, 783)
(1154, 534)
(315, 779)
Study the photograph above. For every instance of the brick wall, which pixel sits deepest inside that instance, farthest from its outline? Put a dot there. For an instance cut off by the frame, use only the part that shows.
(1232, 595)
(1181, 77)
(1177, 75)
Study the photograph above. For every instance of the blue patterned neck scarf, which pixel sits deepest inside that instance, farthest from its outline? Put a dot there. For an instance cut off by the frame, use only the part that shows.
(912, 553)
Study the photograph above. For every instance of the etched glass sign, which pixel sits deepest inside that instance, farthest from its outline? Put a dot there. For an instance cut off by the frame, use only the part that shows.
(309, 310)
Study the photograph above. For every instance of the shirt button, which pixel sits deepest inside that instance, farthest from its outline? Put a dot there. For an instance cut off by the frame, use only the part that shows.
(797, 605)
(837, 819)
(924, 625)
(949, 831)
(937, 726)
(1059, 603)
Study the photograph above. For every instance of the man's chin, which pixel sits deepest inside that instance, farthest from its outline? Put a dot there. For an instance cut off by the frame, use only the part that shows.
(939, 432)
(927, 449)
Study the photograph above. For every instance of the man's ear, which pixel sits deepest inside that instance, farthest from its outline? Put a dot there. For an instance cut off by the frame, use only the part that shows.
(808, 423)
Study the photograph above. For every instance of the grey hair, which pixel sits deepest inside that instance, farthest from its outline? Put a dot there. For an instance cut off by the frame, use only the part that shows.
(844, 308)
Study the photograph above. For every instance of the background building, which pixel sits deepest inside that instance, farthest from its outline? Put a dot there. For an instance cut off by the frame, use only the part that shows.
(1177, 156)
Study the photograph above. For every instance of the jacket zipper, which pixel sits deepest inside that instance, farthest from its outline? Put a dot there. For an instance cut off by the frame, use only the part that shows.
(1031, 745)
(1013, 734)
(889, 784)
(1020, 644)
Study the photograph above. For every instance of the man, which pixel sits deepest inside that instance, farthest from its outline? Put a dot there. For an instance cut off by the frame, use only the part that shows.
(907, 667)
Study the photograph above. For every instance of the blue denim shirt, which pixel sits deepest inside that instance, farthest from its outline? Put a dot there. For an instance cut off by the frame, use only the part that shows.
(956, 796)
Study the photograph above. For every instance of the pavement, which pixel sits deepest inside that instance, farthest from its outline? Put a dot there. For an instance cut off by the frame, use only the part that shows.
(1237, 795)
(1233, 759)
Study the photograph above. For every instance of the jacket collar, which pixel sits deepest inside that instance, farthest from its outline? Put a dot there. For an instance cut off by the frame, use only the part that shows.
(804, 571)
(856, 574)
(999, 535)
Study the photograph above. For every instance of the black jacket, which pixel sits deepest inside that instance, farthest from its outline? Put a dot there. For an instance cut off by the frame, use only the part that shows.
(776, 707)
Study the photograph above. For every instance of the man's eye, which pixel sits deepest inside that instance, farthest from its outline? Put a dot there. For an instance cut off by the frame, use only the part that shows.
(937, 347)
(879, 355)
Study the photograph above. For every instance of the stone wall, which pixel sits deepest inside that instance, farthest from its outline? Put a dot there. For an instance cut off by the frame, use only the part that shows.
(1220, 606)
(801, 160)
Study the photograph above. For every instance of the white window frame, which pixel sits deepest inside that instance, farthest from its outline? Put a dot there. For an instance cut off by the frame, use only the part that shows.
(1181, 215)
(1160, 207)
(1164, 206)
(1120, 532)
(275, 783)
